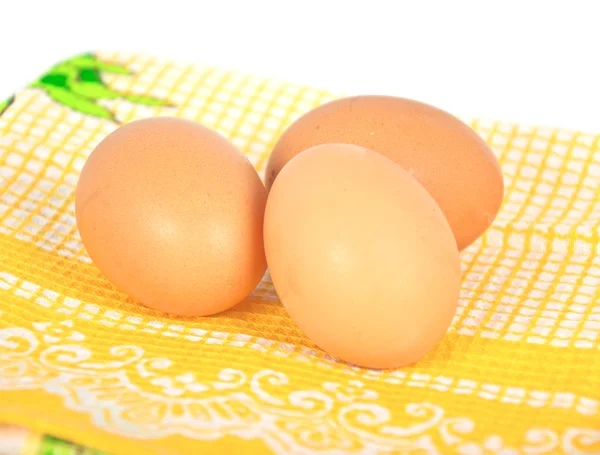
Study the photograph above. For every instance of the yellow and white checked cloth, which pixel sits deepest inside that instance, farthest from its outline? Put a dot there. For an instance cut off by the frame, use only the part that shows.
(518, 372)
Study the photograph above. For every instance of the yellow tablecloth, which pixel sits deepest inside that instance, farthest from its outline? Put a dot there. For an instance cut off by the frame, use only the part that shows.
(518, 372)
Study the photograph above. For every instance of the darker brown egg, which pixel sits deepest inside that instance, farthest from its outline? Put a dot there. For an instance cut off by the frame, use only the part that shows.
(446, 156)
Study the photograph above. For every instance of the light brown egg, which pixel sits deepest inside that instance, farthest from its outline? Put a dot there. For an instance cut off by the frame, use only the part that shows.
(172, 214)
(361, 256)
(453, 163)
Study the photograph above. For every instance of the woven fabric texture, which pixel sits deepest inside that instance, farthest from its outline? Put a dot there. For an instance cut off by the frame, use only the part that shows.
(518, 371)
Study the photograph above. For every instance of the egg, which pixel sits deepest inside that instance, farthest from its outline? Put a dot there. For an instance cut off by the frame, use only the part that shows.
(361, 256)
(446, 156)
(172, 214)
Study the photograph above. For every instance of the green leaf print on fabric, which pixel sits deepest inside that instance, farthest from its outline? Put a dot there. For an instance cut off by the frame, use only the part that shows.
(78, 103)
(5, 104)
(90, 75)
(90, 61)
(77, 83)
(55, 446)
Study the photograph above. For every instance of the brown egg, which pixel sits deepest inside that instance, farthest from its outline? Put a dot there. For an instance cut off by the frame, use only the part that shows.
(453, 163)
(172, 213)
(361, 256)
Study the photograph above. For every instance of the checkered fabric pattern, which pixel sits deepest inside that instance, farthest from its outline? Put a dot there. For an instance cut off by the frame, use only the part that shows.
(518, 371)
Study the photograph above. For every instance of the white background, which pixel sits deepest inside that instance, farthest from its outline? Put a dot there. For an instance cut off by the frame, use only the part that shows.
(533, 62)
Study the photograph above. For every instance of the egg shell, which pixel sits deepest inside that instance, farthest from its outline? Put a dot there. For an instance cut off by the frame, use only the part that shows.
(172, 214)
(453, 163)
(361, 256)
